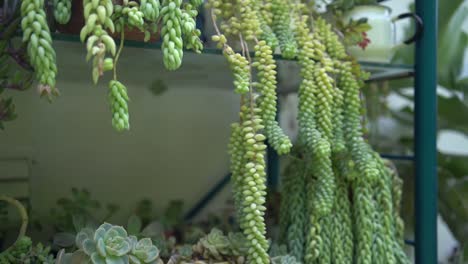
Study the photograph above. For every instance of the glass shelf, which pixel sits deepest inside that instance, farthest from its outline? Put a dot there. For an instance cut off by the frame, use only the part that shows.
(210, 62)
(380, 71)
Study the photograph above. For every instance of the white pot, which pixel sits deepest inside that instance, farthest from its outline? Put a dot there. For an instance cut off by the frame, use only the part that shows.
(382, 34)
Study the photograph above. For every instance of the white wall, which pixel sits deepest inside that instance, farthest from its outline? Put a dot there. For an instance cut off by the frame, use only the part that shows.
(176, 148)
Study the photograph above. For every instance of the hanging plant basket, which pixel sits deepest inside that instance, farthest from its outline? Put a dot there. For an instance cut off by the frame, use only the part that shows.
(73, 27)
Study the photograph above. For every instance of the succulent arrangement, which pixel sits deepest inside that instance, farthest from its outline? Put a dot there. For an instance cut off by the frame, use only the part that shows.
(111, 244)
(340, 199)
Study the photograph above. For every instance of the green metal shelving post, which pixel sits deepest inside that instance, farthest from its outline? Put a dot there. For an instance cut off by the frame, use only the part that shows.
(425, 135)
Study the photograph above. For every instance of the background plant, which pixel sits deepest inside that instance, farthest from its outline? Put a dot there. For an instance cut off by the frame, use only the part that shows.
(23, 250)
(15, 70)
(452, 107)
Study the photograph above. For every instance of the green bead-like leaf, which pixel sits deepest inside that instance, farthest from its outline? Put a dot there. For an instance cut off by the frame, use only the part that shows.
(134, 225)
(134, 260)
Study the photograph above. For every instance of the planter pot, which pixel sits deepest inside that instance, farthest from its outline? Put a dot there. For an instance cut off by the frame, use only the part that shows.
(73, 27)
(382, 34)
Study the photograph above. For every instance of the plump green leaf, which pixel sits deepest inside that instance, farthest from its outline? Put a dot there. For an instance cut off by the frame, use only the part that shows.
(101, 247)
(79, 257)
(144, 243)
(89, 247)
(63, 258)
(97, 259)
(453, 113)
(79, 221)
(145, 250)
(155, 228)
(134, 225)
(100, 232)
(453, 42)
(64, 239)
(85, 233)
(133, 241)
(134, 260)
(115, 231)
(117, 260)
(119, 247)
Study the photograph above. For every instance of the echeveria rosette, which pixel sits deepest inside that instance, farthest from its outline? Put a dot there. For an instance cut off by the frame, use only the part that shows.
(213, 246)
(109, 244)
(143, 251)
(238, 244)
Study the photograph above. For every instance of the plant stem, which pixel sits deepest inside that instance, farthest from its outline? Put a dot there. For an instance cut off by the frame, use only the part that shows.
(23, 214)
(122, 40)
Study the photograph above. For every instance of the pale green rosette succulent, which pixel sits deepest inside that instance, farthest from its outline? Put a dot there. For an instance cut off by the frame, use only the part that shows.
(239, 244)
(109, 244)
(213, 246)
(143, 251)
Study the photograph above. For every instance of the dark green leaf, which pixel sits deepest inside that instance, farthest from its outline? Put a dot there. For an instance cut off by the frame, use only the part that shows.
(453, 113)
(134, 225)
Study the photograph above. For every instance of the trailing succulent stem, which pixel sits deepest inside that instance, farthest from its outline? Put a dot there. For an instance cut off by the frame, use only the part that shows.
(351, 194)
(36, 34)
(62, 10)
(118, 98)
(245, 20)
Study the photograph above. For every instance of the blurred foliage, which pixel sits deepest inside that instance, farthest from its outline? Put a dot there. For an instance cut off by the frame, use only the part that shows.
(72, 214)
(452, 112)
(15, 71)
(348, 4)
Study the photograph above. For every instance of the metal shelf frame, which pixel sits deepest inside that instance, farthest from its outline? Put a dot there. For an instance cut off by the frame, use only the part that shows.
(425, 119)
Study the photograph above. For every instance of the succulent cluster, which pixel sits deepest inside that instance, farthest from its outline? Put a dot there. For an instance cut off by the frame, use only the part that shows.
(150, 9)
(102, 18)
(118, 101)
(216, 246)
(179, 29)
(251, 23)
(339, 203)
(95, 32)
(281, 26)
(23, 251)
(111, 244)
(349, 191)
(14, 253)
